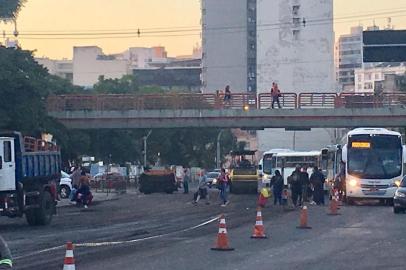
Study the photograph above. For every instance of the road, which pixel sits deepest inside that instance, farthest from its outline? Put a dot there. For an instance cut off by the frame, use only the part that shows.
(162, 231)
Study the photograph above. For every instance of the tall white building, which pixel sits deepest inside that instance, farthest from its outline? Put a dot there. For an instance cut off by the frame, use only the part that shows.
(295, 45)
(349, 58)
(229, 45)
(296, 50)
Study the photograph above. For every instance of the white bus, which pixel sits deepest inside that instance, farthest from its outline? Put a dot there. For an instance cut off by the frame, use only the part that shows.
(265, 167)
(373, 164)
(286, 162)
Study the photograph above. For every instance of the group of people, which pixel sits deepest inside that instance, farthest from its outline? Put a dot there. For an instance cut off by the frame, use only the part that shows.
(80, 193)
(202, 192)
(302, 186)
(275, 94)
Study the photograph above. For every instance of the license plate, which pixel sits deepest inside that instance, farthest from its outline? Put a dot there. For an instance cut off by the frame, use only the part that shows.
(373, 190)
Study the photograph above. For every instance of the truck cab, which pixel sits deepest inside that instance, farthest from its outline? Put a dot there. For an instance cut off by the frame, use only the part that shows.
(29, 174)
(7, 164)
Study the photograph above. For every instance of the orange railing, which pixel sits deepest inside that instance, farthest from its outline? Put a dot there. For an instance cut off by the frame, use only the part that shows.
(123, 102)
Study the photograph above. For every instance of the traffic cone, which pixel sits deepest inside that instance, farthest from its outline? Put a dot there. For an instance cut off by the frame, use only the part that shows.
(69, 261)
(303, 219)
(259, 232)
(334, 205)
(222, 239)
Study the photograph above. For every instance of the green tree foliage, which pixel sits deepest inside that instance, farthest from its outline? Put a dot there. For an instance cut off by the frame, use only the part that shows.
(25, 86)
(9, 9)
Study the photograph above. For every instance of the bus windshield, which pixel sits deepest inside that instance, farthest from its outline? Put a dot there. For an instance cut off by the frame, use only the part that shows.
(377, 157)
(267, 164)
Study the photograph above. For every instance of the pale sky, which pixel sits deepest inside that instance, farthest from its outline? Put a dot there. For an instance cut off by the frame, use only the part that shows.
(111, 16)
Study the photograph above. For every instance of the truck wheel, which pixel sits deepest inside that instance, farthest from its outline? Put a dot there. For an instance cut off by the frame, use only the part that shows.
(65, 191)
(31, 217)
(46, 210)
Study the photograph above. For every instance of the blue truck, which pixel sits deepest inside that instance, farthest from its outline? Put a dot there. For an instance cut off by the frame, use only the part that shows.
(29, 176)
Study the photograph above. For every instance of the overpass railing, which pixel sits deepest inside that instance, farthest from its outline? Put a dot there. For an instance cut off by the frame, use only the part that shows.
(121, 102)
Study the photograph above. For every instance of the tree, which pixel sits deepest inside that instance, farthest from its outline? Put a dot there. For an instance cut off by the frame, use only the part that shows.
(9, 9)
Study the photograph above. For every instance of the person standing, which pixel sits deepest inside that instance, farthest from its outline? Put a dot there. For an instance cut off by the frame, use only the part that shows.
(202, 191)
(304, 179)
(296, 186)
(227, 95)
(186, 180)
(276, 94)
(277, 184)
(84, 195)
(75, 176)
(317, 180)
(223, 183)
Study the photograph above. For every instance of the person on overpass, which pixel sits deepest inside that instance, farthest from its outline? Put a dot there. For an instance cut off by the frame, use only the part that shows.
(5, 255)
(276, 94)
(227, 96)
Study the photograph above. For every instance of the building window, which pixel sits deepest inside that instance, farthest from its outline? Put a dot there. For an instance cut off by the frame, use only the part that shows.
(296, 22)
(295, 10)
(359, 86)
(360, 78)
(377, 76)
(296, 34)
(368, 76)
(368, 85)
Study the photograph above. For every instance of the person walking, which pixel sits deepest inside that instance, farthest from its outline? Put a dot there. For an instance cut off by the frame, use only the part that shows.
(296, 186)
(227, 96)
(84, 196)
(317, 180)
(223, 183)
(186, 180)
(304, 179)
(202, 189)
(276, 94)
(6, 261)
(277, 187)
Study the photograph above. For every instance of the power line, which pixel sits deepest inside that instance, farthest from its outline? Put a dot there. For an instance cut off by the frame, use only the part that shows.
(192, 31)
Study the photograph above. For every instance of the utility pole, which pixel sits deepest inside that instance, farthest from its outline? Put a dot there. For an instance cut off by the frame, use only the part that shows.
(145, 147)
(218, 158)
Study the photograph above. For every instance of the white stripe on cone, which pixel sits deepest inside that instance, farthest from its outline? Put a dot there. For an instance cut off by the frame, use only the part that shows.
(259, 214)
(69, 267)
(222, 221)
(222, 230)
(69, 253)
(259, 223)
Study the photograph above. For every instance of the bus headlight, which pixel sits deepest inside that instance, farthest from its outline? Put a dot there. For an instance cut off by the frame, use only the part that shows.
(353, 182)
(397, 183)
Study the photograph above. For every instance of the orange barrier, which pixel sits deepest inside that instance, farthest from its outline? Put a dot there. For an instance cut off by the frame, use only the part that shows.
(69, 261)
(222, 239)
(303, 219)
(259, 231)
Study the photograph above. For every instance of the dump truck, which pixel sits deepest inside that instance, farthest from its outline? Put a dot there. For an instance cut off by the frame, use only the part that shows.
(30, 171)
(243, 172)
(158, 179)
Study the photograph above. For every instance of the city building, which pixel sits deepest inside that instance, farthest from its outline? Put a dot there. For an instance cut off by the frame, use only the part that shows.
(62, 68)
(89, 63)
(229, 45)
(367, 77)
(141, 58)
(348, 58)
(295, 48)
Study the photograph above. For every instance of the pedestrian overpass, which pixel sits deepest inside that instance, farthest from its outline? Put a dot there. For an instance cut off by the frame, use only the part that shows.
(300, 111)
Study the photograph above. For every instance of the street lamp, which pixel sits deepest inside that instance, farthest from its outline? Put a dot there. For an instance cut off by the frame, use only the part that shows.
(145, 147)
(218, 149)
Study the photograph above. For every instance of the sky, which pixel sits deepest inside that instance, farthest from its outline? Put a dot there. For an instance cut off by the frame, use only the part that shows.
(170, 23)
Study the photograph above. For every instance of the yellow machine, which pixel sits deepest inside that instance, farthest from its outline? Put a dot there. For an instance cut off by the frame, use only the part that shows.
(244, 173)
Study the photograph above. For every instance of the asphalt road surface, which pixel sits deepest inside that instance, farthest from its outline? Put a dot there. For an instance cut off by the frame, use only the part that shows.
(163, 231)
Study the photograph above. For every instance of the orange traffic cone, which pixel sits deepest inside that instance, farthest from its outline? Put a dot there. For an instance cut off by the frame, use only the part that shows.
(222, 239)
(69, 261)
(334, 205)
(303, 219)
(259, 232)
